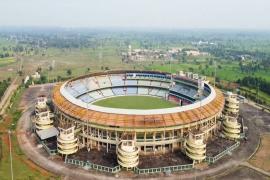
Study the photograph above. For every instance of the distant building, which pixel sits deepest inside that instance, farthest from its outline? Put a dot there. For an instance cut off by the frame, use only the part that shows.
(196, 53)
(149, 55)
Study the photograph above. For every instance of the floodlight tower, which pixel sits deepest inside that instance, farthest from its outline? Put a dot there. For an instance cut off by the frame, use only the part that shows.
(87, 143)
(200, 94)
(200, 88)
(215, 64)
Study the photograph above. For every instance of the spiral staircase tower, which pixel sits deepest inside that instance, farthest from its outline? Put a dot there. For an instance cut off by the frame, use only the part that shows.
(44, 120)
(127, 154)
(67, 143)
(231, 128)
(43, 117)
(41, 104)
(231, 107)
(195, 147)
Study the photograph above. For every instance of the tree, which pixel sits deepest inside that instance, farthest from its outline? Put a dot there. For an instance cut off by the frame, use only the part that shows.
(6, 54)
(39, 69)
(59, 78)
(43, 79)
(20, 73)
(69, 72)
(4, 49)
(211, 62)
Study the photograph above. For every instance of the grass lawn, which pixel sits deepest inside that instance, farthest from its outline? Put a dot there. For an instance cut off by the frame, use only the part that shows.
(135, 102)
(23, 168)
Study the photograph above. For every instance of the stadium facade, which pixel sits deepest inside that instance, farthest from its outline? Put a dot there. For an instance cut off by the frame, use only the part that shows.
(154, 131)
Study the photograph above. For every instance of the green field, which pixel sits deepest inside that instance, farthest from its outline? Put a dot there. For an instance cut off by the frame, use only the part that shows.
(7, 61)
(135, 102)
(229, 71)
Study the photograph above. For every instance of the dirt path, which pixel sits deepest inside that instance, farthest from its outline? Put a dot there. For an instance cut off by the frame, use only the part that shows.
(7, 96)
(255, 168)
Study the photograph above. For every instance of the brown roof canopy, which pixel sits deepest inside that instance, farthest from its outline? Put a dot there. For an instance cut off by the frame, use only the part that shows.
(136, 121)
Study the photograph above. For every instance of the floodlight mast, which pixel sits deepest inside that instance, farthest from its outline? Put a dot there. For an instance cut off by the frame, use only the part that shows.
(88, 149)
(215, 64)
(200, 94)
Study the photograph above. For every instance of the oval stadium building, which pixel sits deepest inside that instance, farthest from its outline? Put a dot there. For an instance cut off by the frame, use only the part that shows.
(197, 107)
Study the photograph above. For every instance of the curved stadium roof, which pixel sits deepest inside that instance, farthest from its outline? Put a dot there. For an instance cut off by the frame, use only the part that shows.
(208, 107)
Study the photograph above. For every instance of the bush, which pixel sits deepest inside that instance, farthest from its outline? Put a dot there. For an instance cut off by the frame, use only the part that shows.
(3, 86)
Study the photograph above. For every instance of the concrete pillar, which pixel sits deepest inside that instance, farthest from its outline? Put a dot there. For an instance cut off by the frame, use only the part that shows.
(154, 139)
(144, 143)
(163, 145)
(107, 140)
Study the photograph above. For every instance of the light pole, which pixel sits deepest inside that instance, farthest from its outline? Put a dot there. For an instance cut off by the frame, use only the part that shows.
(10, 154)
(215, 64)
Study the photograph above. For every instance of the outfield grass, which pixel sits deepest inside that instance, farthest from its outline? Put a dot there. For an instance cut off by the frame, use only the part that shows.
(135, 102)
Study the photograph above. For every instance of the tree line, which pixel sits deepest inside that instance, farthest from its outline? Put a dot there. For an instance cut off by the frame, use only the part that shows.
(255, 83)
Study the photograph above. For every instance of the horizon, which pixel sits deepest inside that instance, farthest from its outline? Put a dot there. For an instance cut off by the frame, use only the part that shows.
(132, 29)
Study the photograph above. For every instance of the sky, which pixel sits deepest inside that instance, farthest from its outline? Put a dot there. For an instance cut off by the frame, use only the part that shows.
(167, 14)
